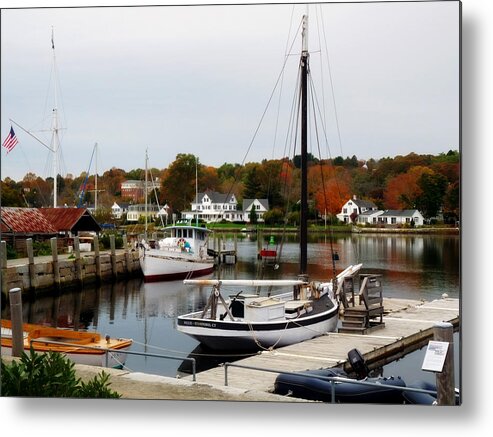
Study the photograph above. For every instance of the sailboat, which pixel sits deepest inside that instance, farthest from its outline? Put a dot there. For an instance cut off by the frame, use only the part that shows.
(54, 146)
(253, 322)
(181, 254)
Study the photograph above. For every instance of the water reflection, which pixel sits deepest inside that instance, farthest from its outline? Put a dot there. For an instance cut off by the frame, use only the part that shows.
(415, 267)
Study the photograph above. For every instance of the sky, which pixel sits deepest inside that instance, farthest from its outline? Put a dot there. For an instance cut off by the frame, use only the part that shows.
(197, 79)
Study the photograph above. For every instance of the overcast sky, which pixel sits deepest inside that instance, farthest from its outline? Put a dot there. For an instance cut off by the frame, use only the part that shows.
(196, 79)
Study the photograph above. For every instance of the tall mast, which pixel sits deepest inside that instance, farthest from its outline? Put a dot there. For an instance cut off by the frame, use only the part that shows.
(145, 196)
(96, 179)
(197, 191)
(304, 149)
(54, 126)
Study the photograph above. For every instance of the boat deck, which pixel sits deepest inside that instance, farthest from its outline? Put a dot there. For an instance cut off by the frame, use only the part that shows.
(408, 326)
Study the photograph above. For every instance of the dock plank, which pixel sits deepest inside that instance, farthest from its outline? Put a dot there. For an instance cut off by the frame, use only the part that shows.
(407, 324)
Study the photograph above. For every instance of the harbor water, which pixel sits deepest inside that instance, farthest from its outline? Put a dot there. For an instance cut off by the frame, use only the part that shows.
(419, 267)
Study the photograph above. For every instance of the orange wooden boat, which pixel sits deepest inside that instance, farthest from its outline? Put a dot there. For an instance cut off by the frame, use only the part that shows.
(82, 347)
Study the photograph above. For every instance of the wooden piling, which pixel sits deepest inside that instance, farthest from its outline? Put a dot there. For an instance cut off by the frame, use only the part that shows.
(33, 283)
(3, 255)
(128, 262)
(219, 249)
(78, 261)
(15, 297)
(97, 258)
(56, 267)
(444, 331)
(3, 267)
(113, 255)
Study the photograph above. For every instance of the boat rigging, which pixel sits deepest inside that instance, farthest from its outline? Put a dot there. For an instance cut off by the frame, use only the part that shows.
(250, 321)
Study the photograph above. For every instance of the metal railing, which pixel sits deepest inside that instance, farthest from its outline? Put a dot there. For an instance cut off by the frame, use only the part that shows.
(107, 351)
(332, 379)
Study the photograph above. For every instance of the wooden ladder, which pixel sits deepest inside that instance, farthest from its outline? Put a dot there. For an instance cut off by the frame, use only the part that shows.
(363, 313)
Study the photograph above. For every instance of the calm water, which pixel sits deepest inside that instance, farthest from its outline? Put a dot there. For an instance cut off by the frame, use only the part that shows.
(414, 267)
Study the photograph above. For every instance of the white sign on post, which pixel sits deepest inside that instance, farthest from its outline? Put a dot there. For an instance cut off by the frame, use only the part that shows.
(435, 356)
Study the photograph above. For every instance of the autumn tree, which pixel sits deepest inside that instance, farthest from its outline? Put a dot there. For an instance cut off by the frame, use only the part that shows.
(208, 178)
(178, 185)
(329, 186)
(403, 190)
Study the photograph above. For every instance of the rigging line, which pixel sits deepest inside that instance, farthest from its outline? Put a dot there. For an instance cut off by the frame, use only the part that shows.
(36, 183)
(291, 138)
(327, 142)
(263, 115)
(321, 67)
(323, 183)
(286, 53)
(155, 195)
(331, 85)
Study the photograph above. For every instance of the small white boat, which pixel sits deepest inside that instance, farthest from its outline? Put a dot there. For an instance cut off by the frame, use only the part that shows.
(253, 322)
(81, 347)
(181, 255)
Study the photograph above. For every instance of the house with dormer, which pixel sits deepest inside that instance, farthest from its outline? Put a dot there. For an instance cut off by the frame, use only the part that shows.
(354, 207)
(259, 206)
(212, 206)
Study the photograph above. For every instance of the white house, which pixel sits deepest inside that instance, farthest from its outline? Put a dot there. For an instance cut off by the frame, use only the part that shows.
(365, 212)
(118, 211)
(260, 206)
(368, 217)
(411, 217)
(213, 206)
(136, 211)
(355, 207)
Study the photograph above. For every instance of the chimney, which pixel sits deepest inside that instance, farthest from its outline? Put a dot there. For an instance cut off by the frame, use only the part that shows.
(355, 197)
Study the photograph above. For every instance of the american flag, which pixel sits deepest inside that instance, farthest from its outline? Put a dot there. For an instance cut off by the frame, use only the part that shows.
(10, 141)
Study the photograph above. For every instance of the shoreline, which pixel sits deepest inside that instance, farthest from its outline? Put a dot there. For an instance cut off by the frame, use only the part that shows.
(343, 230)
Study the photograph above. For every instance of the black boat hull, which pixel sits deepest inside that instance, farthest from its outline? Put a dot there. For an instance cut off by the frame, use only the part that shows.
(310, 388)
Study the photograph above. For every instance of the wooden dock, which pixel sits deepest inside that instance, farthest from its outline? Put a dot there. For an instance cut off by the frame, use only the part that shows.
(408, 327)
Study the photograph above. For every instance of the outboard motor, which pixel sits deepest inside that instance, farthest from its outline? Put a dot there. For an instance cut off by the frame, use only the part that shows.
(358, 363)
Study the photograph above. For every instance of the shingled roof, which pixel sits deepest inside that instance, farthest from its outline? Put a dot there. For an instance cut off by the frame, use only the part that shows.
(47, 220)
(25, 221)
(71, 219)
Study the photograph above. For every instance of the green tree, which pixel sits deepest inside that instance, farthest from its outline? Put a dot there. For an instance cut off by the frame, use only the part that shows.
(253, 216)
(11, 193)
(178, 185)
(433, 186)
(252, 182)
(310, 160)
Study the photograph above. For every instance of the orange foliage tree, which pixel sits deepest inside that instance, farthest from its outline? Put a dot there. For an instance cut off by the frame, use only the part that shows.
(330, 187)
(403, 190)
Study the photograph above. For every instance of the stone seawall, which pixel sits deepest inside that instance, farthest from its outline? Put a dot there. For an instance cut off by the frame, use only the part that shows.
(45, 273)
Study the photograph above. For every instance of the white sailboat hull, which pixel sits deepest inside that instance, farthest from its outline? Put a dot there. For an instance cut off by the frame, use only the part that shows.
(250, 335)
(158, 265)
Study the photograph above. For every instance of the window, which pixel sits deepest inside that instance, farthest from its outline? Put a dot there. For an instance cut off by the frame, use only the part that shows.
(344, 210)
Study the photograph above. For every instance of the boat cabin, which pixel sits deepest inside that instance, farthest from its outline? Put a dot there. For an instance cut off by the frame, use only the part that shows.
(266, 309)
(187, 239)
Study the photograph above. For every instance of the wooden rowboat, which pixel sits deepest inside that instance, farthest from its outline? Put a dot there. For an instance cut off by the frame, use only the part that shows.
(82, 347)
